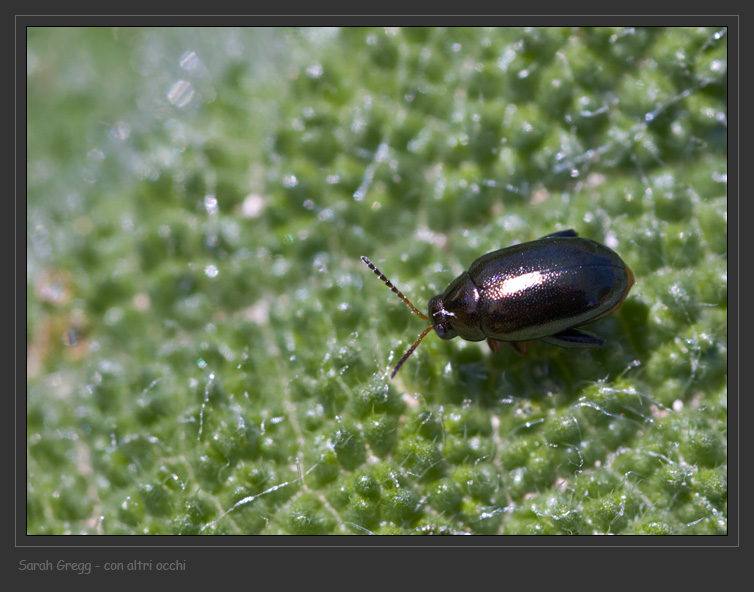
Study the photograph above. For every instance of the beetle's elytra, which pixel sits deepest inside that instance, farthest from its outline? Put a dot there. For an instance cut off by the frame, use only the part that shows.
(542, 289)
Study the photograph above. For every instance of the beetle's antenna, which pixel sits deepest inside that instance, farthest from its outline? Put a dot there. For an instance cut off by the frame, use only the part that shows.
(390, 285)
(409, 352)
(418, 313)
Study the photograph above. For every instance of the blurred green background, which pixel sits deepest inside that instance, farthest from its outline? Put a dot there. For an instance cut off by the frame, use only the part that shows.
(207, 354)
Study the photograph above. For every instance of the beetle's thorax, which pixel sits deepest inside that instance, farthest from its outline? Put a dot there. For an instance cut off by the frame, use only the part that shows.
(456, 311)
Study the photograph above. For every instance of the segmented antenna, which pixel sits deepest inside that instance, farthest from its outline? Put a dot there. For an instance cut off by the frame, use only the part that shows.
(409, 352)
(416, 311)
(390, 285)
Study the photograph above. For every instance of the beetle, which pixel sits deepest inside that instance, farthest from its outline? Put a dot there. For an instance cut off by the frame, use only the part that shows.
(543, 289)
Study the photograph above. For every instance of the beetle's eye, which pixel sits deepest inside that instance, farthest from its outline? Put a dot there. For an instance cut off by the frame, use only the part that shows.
(444, 329)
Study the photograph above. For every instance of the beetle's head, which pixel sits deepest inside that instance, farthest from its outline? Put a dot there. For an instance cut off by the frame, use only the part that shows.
(441, 318)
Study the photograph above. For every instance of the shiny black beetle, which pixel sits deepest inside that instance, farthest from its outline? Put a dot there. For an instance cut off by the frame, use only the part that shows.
(542, 289)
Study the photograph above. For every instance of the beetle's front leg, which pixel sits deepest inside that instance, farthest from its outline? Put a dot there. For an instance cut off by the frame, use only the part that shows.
(496, 346)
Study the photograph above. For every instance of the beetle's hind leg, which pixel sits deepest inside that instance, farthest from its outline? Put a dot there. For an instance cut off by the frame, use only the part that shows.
(574, 338)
